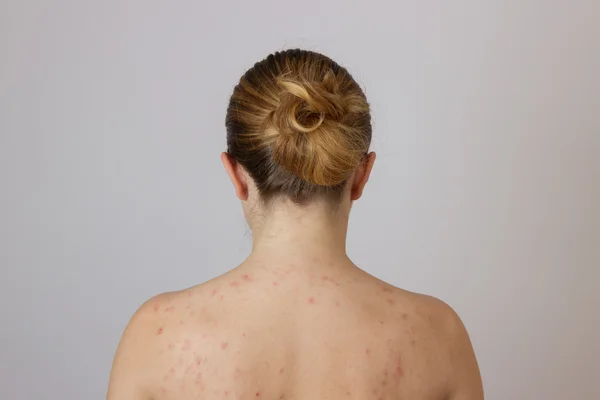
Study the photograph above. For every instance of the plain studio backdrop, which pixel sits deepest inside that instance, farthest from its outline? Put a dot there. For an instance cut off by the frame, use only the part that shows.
(486, 191)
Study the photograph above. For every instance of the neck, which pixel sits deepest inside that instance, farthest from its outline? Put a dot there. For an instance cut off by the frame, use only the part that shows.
(300, 234)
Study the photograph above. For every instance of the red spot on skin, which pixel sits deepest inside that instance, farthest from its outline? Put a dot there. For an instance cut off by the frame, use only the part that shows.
(172, 370)
(347, 393)
(224, 345)
(275, 284)
(244, 334)
(413, 343)
(198, 361)
(159, 331)
(257, 394)
(368, 351)
(399, 371)
(337, 303)
(234, 283)
(227, 393)
(171, 346)
(189, 294)
(162, 390)
(390, 301)
(214, 291)
(169, 309)
(221, 297)
(281, 397)
(325, 278)
(281, 370)
(156, 307)
(247, 278)
(404, 316)
(311, 300)
(180, 322)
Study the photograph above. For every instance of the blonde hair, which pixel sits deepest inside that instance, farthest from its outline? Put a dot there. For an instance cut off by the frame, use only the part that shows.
(299, 124)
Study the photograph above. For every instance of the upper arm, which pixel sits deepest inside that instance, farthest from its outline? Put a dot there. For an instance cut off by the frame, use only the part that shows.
(465, 377)
(130, 366)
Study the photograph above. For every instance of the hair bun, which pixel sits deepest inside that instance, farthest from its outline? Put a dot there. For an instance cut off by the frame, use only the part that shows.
(312, 142)
(299, 124)
(307, 105)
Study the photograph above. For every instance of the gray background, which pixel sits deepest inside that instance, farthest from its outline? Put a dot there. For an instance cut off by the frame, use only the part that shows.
(485, 192)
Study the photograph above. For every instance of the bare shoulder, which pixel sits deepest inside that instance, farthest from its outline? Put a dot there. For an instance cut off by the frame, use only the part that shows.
(438, 317)
(430, 310)
(439, 324)
(159, 315)
(440, 314)
(140, 351)
(135, 353)
(464, 377)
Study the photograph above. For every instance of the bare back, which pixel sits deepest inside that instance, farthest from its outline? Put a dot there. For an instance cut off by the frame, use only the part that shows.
(287, 332)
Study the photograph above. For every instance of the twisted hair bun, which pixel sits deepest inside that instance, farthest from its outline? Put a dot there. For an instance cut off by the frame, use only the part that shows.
(299, 123)
(312, 141)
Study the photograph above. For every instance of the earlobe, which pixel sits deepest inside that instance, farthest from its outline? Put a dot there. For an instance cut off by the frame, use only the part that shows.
(235, 174)
(363, 172)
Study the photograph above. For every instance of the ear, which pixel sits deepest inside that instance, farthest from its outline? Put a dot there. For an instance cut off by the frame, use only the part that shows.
(234, 169)
(361, 177)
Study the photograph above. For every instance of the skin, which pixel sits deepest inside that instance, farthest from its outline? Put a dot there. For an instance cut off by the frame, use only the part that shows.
(296, 320)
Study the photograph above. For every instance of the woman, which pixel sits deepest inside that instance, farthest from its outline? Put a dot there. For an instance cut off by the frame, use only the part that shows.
(297, 319)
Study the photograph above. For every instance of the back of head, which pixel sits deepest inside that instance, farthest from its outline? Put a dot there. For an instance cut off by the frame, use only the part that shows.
(299, 124)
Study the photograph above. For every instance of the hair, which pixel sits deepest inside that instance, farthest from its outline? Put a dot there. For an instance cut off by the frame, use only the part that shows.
(299, 124)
